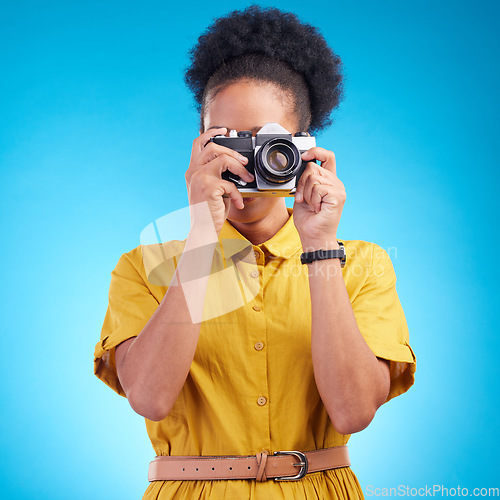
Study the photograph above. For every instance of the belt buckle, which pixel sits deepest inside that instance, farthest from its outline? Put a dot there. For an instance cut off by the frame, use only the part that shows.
(303, 465)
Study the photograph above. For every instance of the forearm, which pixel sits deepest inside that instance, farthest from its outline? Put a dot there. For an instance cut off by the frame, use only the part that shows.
(351, 381)
(158, 361)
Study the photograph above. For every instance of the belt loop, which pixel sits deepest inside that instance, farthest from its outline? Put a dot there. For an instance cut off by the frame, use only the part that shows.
(261, 463)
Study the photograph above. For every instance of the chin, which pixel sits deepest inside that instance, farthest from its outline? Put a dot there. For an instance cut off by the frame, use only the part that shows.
(246, 214)
(255, 209)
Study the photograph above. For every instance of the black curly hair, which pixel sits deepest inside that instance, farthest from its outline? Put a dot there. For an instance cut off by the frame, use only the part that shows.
(266, 44)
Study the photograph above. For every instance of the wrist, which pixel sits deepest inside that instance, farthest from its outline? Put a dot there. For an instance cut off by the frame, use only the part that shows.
(322, 254)
(324, 269)
(201, 236)
(311, 245)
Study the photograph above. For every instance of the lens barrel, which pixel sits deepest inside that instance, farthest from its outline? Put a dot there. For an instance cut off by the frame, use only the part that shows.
(278, 160)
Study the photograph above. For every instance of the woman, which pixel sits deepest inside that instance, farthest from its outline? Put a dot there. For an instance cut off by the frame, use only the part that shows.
(318, 347)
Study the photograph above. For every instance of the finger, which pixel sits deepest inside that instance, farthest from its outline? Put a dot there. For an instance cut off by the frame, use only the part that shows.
(213, 150)
(228, 189)
(201, 141)
(326, 157)
(311, 185)
(299, 192)
(225, 162)
(318, 192)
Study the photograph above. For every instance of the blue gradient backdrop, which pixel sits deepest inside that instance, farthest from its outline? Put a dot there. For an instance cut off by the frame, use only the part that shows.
(95, 135)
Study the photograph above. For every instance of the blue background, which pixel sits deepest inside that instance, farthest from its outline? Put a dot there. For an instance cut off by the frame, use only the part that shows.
(95, 135)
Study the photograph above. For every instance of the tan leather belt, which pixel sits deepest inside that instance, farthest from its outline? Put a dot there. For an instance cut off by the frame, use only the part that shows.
(282, 465)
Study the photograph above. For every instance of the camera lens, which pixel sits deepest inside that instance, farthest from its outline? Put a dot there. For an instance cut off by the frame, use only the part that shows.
(278, 160)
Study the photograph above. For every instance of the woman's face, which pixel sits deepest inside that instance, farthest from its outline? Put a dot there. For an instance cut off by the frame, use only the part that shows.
(249, 105)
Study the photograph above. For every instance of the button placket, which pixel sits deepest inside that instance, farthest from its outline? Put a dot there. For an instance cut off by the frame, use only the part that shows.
(261, 380)
(256, 273)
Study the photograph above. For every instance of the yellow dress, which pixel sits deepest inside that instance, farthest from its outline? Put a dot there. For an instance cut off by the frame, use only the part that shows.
(251, 384)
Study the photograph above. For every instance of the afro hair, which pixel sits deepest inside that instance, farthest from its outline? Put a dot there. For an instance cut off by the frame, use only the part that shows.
(278, 36)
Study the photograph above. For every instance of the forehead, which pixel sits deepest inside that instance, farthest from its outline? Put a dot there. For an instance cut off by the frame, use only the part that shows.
(248, 105)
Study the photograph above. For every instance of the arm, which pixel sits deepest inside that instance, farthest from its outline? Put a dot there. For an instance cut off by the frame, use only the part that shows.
(153, 366)
(351, 381)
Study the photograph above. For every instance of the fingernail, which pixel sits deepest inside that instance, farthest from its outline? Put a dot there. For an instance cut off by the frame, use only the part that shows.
(242, 158)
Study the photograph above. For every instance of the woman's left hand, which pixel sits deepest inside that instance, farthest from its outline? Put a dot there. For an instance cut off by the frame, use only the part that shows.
(319, 200)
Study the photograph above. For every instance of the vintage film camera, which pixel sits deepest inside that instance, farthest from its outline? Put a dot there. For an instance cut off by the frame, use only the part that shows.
(273, 157)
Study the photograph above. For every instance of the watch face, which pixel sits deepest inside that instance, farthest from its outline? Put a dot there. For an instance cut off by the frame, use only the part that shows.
(343, 258)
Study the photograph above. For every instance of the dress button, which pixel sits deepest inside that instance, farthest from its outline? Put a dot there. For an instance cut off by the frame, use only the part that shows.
(254, 273)
(261, 401)
(259, 346)
(257, 255)
(256, 308)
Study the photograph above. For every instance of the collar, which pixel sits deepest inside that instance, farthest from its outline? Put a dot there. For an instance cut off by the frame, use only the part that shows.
(284, 244)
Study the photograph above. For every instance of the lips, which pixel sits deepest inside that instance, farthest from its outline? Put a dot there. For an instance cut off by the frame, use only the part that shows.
(246, 200)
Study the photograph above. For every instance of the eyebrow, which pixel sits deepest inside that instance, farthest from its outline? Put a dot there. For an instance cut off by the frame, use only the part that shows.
(254, 129)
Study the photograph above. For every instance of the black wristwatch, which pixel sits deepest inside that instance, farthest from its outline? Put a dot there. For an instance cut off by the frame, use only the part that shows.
(308, 257)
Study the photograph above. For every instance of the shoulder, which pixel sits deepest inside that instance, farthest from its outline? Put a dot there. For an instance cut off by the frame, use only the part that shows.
(130, 263)
(132, 257)
(367, 260)
(152, 264)
(364, 251)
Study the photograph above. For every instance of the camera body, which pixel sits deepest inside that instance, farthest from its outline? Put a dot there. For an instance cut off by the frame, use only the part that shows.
(274, 158)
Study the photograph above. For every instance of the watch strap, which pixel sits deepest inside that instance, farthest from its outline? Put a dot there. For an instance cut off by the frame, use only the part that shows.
(309, 257)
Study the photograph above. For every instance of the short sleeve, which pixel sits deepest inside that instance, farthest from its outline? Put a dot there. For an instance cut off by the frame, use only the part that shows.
(382, 322)
(130, 306)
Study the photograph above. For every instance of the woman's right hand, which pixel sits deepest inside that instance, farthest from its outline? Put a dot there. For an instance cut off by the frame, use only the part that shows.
(204, 181)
